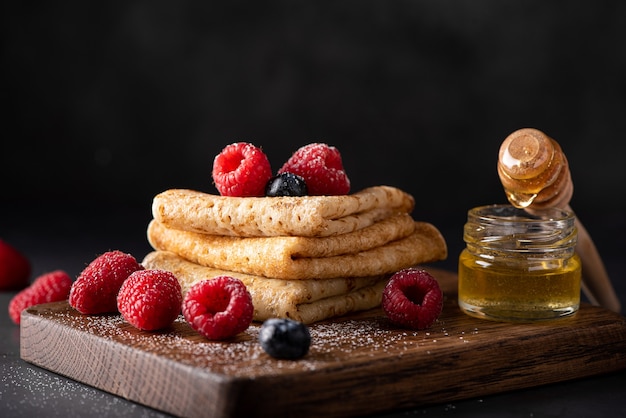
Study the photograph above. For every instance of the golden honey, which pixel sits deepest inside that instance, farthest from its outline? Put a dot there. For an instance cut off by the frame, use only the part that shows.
(519, 266)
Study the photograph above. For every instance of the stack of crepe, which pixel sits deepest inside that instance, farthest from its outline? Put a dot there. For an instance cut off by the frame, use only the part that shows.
(306, 258)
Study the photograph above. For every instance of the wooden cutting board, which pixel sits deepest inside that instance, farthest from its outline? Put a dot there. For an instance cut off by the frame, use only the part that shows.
(360, 364)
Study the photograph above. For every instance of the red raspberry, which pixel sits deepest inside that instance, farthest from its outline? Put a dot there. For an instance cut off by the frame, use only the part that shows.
(14, 268)
(412, 299)
(50, 287)
(241, 170)
(321, 167)
(95, 290)
(218, 308)
(150, 299)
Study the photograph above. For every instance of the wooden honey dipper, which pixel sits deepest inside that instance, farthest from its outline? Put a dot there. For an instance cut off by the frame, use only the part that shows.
(535, 175)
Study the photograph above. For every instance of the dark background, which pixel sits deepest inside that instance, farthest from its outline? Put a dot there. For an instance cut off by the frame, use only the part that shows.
(108, 104)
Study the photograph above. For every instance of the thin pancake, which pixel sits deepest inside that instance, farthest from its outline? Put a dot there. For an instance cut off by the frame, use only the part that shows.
(303, 300)
(260, 256)
(284, 249)
(311, 216)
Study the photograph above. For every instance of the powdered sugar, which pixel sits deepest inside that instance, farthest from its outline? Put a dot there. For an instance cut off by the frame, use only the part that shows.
(332, 343)
(169, 368)
(42, 394)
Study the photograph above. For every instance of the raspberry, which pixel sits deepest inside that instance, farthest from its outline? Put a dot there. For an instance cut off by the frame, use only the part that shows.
(321, 167)
(95, 290)
(218, 308)
(412, 299)
(285, 338)
(14, 268)
(150, 299)
(50, 287)
(241, 170)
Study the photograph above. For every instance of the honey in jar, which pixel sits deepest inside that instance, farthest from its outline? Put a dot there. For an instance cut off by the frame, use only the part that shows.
(519, 265)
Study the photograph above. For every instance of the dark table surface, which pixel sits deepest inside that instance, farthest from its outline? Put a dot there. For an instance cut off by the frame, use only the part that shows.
(69, 240)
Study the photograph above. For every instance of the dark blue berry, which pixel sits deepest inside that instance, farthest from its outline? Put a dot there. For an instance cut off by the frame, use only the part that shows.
(285, 338)
(286, 184)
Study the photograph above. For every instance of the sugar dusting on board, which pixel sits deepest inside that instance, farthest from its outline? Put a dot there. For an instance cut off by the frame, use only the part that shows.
(331, 342)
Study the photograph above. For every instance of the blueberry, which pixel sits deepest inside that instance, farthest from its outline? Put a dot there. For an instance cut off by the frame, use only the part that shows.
(286, 184)
(285, 338)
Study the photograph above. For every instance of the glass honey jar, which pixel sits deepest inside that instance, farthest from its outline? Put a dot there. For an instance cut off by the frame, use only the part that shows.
(519, 266)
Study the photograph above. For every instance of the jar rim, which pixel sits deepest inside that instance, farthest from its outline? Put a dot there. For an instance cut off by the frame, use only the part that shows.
(505, 213)
(504, 227)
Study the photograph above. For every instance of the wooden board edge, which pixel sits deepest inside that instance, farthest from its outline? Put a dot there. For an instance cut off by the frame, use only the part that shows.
(401, 385)
(411, 384)
(104, 370)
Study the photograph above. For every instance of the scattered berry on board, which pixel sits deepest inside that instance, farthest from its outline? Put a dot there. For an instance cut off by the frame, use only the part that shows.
(150, 299)
(50, 287)
(412, 299)
(286, 184)
(285, 338)
(218, 308)
(15, 268)
(321, 167)
(241, 170)
(95, 290)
